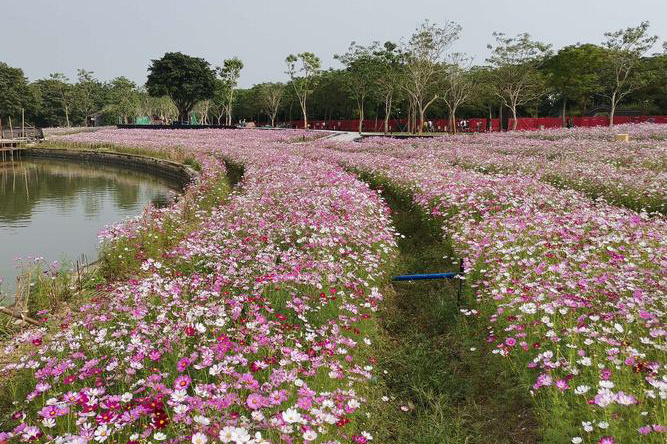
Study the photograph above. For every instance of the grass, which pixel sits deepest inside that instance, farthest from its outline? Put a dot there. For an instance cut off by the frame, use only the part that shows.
(443, 383)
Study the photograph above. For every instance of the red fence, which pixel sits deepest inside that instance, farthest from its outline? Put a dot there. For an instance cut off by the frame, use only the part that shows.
(475, 125)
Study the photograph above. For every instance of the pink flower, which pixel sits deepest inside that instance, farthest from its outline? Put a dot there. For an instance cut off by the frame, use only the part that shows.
(645, 430)
(607, 440)
(182, 382)
(255, 401)
(562, 384)
(183, 363)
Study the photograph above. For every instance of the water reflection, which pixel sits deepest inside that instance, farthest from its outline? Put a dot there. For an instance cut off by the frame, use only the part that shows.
(54, 209)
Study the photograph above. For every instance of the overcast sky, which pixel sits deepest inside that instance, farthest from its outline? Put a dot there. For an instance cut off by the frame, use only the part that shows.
(120, 37)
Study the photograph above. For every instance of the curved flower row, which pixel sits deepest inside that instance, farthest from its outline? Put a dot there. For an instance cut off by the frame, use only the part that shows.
(255, 328)
(631, 174)
(573, 291)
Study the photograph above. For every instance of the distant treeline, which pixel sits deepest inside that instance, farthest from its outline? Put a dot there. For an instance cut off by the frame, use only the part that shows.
(419, 78)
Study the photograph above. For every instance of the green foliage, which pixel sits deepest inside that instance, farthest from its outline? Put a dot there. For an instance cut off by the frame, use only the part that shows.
(123, 99)
(574, 72)
(621, 76)
(303, 70)
(14, 91)
(517, 81)
(229, 78)
(185, 79)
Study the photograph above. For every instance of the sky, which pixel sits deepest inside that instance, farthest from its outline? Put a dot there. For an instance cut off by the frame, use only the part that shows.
(120, 37)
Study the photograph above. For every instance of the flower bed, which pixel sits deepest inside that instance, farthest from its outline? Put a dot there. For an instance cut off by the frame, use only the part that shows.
(631, 174)
(253, 328)
(572, 291)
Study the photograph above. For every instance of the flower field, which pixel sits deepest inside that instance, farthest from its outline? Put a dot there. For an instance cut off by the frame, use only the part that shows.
(250, 315)
(255, 327)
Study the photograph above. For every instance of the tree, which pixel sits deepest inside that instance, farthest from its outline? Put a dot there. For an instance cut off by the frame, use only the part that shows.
(123, 99)
(185, 79)
(423, 56)
(65, 91)
(625, 49)
(388, 79)
(270, 96)
(219, 102)
(457, 85)
(87, 94)
(361, 70)
(303, 70)
(517, 79)
(202, 109)
(14, 92)
(230, 73)
(574, 73)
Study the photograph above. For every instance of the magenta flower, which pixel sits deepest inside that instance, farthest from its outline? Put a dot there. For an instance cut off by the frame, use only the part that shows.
(182, 382)
(182, 364)
(255, 401)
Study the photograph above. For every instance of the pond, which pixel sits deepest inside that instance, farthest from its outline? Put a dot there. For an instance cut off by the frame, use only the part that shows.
(54, 209)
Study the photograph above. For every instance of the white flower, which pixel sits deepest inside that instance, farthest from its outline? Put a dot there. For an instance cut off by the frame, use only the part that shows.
(180, 409)
(606, 384)
(49, 423)
(203, 420)
(603, 424)
(291, 416)
(581, 389)
(353, 404)
(529, 308)
(199, 438)
(134, 437)
(227, 434)
(309, 435)
(588, 426)
(102, 433)
(367, 435)
(618, 327)
(159, 436)
(127, 397)
(576, 440)
(585, 361)
(179, 395)
(241, 436)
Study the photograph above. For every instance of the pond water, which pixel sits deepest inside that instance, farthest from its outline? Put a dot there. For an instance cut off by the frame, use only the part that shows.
(54, 209)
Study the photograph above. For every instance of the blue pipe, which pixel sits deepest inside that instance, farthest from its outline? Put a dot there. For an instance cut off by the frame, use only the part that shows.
(420, 277)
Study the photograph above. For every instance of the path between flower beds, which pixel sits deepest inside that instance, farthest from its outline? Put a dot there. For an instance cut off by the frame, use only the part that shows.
(442, 383)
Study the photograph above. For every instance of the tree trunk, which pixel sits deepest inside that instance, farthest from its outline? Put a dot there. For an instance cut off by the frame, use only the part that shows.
(67, 116)
(564, 110)
(183, 116)
(305, 115)
(273, 120)
(361, 118)
(387, 112)
(612, 111)
(421, 120)
(515, 122)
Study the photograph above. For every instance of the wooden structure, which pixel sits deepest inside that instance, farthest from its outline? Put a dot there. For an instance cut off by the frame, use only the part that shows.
(10, 148)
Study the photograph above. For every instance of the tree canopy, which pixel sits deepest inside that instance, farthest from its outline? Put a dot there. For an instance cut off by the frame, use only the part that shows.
(185, 79)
